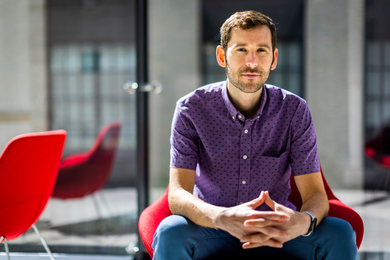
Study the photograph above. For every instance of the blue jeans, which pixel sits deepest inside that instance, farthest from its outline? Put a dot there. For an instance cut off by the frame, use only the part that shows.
(179, 238)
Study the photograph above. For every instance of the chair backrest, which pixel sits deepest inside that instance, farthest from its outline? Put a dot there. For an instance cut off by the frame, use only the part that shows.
(88, 172)
(106, 142)
(28, 170)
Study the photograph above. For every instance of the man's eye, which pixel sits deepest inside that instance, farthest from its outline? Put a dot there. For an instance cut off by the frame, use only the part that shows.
(261, 50)
(241, 49)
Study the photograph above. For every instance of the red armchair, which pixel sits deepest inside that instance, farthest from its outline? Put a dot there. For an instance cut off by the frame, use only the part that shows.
(157, 211)
(28, 170)
(85, 173)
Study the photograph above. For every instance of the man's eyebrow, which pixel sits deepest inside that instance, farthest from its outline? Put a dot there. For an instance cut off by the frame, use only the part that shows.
(264, 45)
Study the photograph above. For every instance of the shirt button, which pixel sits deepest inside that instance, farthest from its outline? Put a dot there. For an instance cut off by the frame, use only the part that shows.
(239, 116)
(245, 157)
(233, 117)
(246, 131)
(244, 182)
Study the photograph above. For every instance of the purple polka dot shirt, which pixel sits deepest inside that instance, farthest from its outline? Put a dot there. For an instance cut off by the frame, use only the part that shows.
(235, 158)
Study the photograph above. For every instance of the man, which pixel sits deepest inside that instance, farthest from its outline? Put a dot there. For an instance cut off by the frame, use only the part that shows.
(233, 147)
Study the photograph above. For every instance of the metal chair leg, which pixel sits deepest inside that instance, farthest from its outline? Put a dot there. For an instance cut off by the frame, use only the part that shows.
(105, 201)
(6, 246)
(43, 242)
(96, 203)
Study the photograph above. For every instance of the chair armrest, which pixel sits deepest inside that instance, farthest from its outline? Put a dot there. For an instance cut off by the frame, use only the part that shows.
(151, 218)
(339, 210)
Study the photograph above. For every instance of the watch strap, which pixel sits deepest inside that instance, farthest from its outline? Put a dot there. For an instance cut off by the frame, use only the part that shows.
(312, 224)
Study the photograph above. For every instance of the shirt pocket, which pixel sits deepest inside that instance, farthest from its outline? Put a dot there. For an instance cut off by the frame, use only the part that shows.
(269, 172)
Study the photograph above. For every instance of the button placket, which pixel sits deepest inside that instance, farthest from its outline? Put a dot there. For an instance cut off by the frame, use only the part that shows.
(245, 162)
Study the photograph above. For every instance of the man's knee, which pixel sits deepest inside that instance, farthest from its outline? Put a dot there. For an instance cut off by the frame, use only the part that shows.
(173, 225)
(337, 239)
(338, 229)
(173, 228)
(174, 232)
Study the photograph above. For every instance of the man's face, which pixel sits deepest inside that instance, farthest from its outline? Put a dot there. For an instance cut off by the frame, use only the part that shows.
(249, 58)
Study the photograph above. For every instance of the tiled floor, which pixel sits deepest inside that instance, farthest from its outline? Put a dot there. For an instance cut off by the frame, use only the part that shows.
(74, 226)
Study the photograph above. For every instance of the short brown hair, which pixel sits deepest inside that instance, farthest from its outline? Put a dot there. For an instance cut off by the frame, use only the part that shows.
(246, 20)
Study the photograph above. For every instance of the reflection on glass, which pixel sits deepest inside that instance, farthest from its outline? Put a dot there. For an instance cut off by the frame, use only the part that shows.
(87, 95)
(90, 49)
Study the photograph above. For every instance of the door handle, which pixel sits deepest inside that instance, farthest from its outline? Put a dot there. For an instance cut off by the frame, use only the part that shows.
(131, 87)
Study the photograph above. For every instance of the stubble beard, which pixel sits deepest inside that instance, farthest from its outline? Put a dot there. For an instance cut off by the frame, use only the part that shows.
(246, 88)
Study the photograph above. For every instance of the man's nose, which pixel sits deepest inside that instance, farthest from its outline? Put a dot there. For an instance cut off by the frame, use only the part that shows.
(251, 60)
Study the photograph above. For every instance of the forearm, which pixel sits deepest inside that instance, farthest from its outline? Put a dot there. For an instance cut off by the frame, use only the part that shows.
(182, 202)
(317, 204)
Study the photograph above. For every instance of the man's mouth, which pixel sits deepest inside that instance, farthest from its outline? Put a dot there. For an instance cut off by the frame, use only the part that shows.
(250, 75)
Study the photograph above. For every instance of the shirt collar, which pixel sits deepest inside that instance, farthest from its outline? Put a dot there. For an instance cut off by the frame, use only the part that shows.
(233, 112)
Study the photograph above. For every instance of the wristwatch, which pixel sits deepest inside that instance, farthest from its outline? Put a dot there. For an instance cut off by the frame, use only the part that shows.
(312, 224)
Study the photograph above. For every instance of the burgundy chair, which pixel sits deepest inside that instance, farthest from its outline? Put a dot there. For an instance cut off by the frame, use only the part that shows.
(84, 173)
(28, 171)
(157, 211)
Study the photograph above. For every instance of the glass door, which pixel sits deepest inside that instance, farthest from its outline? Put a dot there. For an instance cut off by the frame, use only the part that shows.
(91, 55)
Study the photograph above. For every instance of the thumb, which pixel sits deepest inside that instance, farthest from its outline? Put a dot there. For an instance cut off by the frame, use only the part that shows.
(258, 201)
(269, 201)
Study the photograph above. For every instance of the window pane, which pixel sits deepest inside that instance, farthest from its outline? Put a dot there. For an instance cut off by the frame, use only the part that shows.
(387, 84)
(295, 83)
(387, 53)
(386, 111)
(373, 53)
(295, 55)
(373, 84)
(373, 114)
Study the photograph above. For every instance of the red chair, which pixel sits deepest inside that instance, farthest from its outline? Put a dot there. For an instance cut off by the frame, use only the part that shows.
(28, 171)
(157, 211)
(378, 148)
(83, 174)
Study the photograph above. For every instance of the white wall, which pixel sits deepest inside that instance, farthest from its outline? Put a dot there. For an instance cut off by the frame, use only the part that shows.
(23, 98)
(174, 60)
(334, 86)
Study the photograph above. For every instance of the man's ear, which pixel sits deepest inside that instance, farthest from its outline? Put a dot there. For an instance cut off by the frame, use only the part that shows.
(221, 56)
(275, 59)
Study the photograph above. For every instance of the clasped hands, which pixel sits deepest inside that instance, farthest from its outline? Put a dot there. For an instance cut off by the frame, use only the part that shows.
(263, 228)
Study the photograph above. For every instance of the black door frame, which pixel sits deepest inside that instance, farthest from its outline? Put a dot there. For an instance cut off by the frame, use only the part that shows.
(142, 108)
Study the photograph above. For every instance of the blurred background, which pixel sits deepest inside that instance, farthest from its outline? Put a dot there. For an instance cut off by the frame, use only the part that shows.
(63, 65)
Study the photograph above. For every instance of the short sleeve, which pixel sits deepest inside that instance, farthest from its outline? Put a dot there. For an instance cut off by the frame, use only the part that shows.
(303, 149)
(184, 140)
